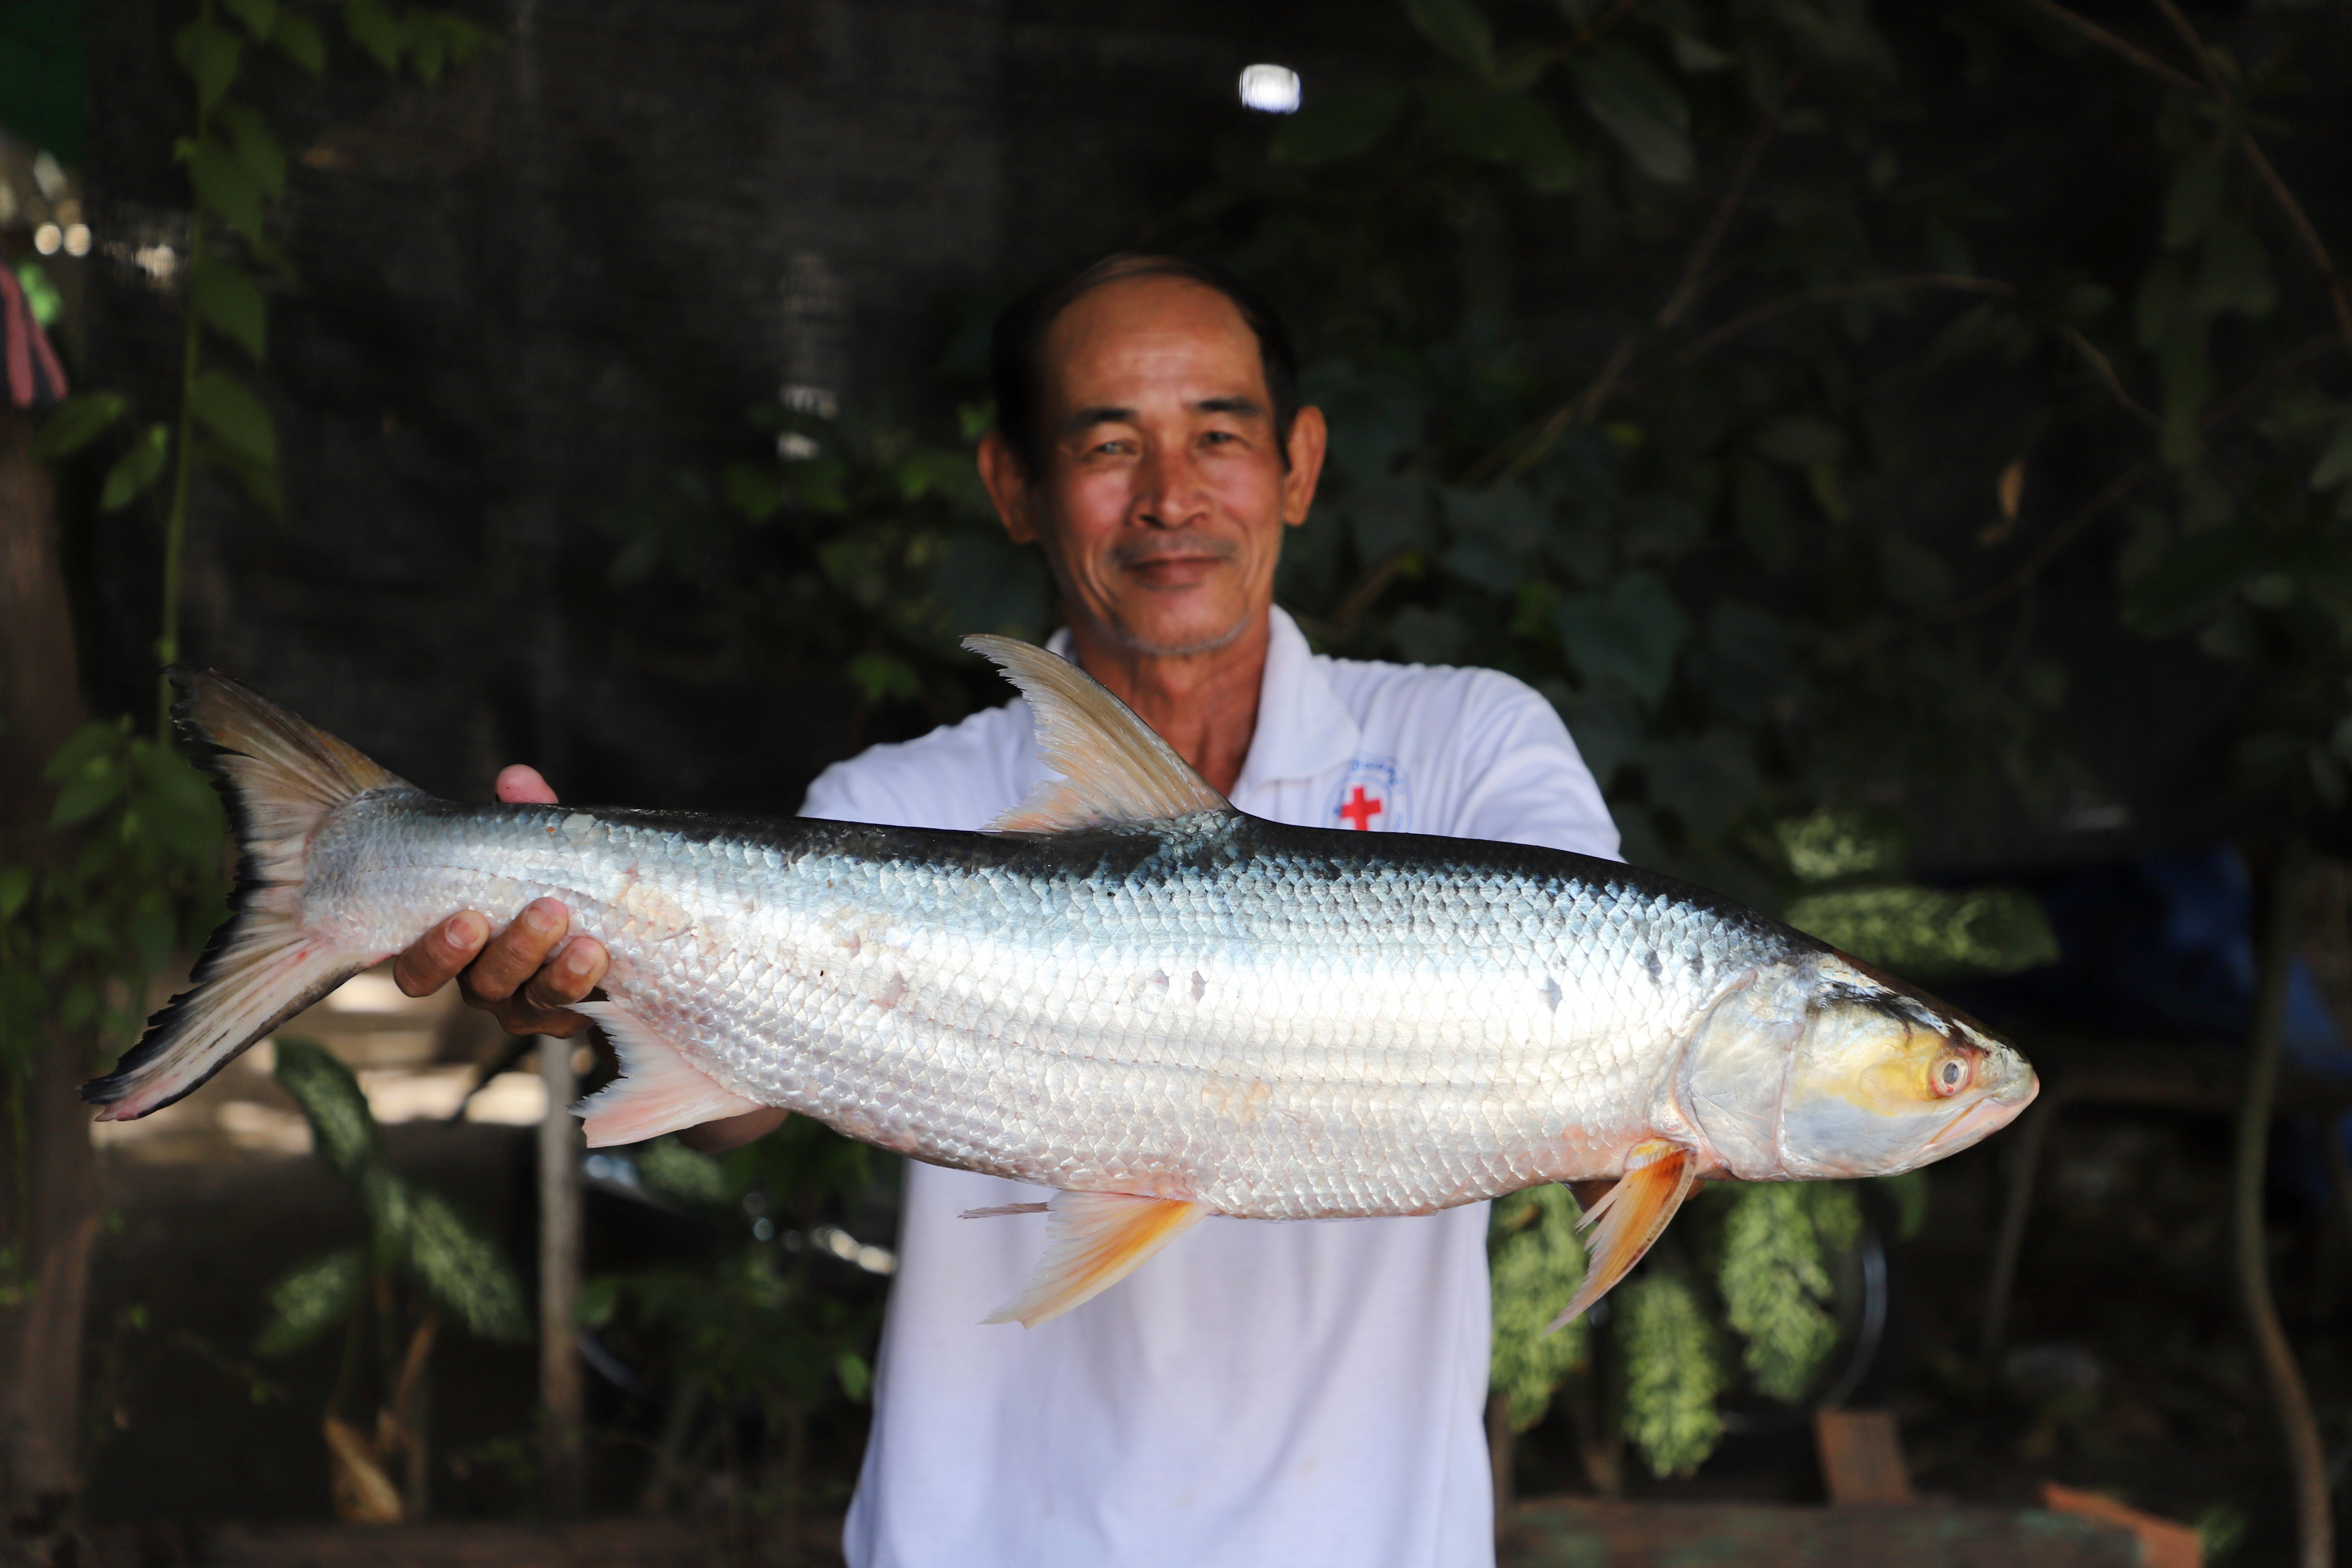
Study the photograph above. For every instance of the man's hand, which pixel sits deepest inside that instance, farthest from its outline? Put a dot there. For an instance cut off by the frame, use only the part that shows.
(528, 976)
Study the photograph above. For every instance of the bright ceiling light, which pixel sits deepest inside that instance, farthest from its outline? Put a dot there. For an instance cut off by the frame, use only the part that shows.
(1273, 90)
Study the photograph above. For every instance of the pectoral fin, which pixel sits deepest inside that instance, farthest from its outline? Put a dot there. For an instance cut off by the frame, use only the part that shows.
(1094, 1240)
(658, 1090)
(1631, 1217)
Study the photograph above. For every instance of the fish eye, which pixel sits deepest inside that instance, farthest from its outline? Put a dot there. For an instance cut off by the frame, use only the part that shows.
(1951, 1075)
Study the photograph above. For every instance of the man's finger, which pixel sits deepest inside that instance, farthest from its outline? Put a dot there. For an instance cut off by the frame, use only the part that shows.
(433, 958)
(515, 954)
(571, 975)
(520, 785)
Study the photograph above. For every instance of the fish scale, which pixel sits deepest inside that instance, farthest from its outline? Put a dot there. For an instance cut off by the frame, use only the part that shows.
(1130, 992)
(1007, 1004)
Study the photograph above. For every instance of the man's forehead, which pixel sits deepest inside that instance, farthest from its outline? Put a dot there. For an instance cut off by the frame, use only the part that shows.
(1154, 339)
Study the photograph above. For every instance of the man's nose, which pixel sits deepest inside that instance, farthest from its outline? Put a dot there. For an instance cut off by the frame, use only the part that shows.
(1168, 488)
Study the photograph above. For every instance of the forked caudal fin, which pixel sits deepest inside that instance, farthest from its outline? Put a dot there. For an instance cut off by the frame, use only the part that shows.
(1631, 1217)
(282, 777)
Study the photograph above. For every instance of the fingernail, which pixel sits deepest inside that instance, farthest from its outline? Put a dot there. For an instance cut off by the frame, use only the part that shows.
(575, 964)
(538, 918)
(461, 931)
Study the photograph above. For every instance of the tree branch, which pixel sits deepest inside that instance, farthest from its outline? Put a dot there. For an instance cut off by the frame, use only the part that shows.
(2104, 39)
(1787, 302)
(2106, 370)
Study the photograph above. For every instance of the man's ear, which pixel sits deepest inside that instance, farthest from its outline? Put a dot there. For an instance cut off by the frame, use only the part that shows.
(1310, 436)
(1006, 480)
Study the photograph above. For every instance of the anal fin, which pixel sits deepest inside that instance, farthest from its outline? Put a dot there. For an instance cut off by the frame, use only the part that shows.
(658, 1090)
(1093, 1241)
(1631, 1215)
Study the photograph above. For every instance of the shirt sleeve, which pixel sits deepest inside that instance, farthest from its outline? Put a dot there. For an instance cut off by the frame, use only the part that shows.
(1526, 781)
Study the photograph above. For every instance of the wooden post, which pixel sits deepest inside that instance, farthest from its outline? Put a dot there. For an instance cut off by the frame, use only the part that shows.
(561, 1391)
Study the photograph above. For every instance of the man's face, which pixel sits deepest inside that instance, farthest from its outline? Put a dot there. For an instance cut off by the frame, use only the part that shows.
(1163, 494)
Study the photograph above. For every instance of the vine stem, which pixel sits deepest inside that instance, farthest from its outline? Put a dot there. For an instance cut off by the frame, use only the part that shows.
(2275, 959)
(175, 518)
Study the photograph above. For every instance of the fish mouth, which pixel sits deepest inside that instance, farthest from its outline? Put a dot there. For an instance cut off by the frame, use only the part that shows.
(1986, 1117)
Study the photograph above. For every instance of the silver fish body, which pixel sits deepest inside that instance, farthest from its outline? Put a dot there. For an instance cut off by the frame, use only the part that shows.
(1282, 1022)
(1128, 992)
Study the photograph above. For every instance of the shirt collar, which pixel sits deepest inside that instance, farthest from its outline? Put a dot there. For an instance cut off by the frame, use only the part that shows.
(1303, 728)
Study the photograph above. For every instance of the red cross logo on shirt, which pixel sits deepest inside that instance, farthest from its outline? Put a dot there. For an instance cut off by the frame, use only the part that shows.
(1360, 809)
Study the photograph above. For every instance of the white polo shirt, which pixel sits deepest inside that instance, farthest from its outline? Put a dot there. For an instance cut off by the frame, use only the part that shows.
(1263, 1393)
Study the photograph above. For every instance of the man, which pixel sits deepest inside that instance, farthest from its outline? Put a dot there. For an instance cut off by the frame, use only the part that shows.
(1262, 1393)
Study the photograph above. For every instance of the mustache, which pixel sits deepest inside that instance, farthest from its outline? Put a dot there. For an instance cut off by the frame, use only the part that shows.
(1186, 545)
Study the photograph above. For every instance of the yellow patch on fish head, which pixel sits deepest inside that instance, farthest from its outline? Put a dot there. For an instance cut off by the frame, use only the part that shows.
(1885, 1079)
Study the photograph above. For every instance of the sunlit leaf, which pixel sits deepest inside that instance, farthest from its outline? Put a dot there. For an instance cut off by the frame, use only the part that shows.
(1931, 933)
(1536, 1261)
(1776, 1290)
(463, 1269)
(230, 302)
(342, 1130)
(78, 421)
(311, 1299)
(669, 1167)
(1674, 1369)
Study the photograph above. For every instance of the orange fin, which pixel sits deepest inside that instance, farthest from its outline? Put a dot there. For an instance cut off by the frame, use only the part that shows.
(1630, 1217)
(1115, 768)
(657, 1092)
(1093, 1241)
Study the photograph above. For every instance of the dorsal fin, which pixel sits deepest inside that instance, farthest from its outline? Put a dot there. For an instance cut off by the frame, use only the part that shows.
(1114, 768)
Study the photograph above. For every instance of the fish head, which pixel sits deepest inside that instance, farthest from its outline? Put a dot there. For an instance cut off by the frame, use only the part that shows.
(1825, 1067)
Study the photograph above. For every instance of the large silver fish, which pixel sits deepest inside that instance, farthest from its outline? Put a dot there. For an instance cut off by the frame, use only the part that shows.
(1126, 991)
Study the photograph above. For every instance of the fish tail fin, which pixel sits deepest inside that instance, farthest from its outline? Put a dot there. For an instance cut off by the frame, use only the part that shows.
(1635, 1213)
(281, 778)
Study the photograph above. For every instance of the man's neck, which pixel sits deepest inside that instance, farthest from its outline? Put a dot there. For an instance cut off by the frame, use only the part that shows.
(1204, 704)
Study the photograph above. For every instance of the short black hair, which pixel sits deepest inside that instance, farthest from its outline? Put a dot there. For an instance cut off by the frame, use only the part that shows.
(1019, 339)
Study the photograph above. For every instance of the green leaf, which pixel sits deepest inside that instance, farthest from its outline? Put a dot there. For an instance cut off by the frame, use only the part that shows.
(1674, 1370)
(1505, 128)
(311, 1299)
(16, 888)
(78, 421)
(260, 16)
(2237, 272)
(342, 1129)
(208, 52)
(1536, 1263)
(2335, 465)
(1775, 1288)
(669, 1167)
(1459, 29)
(230, 302)
(880, 677)
(297, 37)
(462, 1268)
(1631, 635)
(2195, 199)
(1341, 126)
(227, 407)
(374, 29)
(1835, 843)
(752, 491)
(224, 187)
(258, 480)
(1649, 118)
(1931, 932)
(1909, 1190)
(1801, 441)
(256, 149)
(2192, 579)
(87, 789)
